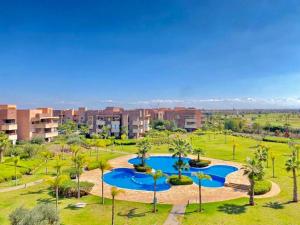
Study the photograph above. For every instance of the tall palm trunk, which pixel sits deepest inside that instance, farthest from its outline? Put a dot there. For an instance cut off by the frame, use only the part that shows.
(233, 152)
(1, 155)
(154, 198)
(56, 199)
(251, 192)
(97, 153)
(78, 184)
(113, 212)
(273, 167)
(143, 159)
(295, 192)
(200, 197)
(179, 169)
(15, 175)
(102, 184)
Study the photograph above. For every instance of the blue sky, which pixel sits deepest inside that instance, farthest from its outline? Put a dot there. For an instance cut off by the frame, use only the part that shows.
(208, 54)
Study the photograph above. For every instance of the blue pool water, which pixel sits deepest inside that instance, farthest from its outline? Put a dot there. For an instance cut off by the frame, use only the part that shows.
(129, 179)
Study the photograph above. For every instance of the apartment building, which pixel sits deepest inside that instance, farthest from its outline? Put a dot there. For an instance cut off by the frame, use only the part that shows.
(36, 123)
(186, 118)
(137, 122)
(8, 121)
(110, 117)
(78, 116)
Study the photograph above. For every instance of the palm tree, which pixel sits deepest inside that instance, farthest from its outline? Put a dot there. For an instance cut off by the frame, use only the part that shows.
(273, 165)
(46, 155)
(226, 132)
(4, 144)
(234, 146)
(261, 154)
(114, 193)
(75, 149)
(180, 148)
(55, 183)
(144, 147)
(265, 153)
(198, 152)
(293, 165)
(105, 132)
(15, 160)
(201, 176)
(180, 165)
(98, 143)
(79, 161)
(58, 165)
(253, 169)
(103, 165)
(156, 175)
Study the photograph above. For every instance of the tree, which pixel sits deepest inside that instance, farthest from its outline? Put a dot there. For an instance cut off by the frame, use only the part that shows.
(98, 143)
(198, 152)
(261, 154)
(105, 131)
(15, 160)
(75, 149)
(5, 143)
(293, 165)
(253, 169)
(42, 214)
(234, 146)
(68, 128)
(180, 165)
(103, 165)
(114, 193)
(180, 148)
(156, 175)
(55, 183)
(201, 176)
(144, 147)
(265, 151)
(273, 165)
(226, 132)
(47, 155)
(79, 161)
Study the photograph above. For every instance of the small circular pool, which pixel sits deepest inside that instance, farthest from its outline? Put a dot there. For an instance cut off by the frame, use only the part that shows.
(129, 179)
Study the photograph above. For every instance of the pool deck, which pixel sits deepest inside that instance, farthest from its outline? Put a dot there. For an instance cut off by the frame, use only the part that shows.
(178, 194)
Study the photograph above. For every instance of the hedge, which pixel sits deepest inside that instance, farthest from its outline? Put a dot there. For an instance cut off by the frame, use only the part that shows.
(199, 164)
(276, 139)
(142, 169)
(185, 180)
(262, 186)
(126, 142)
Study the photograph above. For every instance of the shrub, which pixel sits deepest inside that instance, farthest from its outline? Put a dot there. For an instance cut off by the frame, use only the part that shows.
(126, 142)
(185, 180)
(92, 165)
(199, 164)
(72, 172)
(69, 188)
(262, 186)
(142, 169)
(37, 140)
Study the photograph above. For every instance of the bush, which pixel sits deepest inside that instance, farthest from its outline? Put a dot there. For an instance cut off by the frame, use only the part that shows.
(92, 165)
(126, 142)
(142, 169)
(37, 140)
(185, 180)
(69, 188)
(199, 164)
(71, 172)
(262, 186)
(276, 139)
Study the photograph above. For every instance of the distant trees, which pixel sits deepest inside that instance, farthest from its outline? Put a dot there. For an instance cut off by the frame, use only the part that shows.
(234, 124)
(161, 125)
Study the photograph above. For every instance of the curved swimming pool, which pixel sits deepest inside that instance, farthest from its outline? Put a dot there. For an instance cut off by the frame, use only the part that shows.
(129, 179)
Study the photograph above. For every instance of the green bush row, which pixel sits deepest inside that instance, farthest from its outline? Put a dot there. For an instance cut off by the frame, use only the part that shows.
(126, 142)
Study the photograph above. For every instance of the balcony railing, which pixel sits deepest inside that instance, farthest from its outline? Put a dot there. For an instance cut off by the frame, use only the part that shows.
(45, 125)
(8, 126)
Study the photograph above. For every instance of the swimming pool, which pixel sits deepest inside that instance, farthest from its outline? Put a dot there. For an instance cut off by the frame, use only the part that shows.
(129, 179)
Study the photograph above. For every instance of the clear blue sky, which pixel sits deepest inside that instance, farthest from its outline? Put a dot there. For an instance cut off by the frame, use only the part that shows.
(212, 54)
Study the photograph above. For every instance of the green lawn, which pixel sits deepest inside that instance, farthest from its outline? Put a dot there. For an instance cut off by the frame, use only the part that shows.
(93, 214)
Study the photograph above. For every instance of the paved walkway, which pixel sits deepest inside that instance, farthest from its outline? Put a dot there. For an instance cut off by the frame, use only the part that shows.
(175, 215)
(30, 184)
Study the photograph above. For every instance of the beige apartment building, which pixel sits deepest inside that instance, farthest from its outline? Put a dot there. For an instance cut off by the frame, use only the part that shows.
(36, 123)
(8, 121)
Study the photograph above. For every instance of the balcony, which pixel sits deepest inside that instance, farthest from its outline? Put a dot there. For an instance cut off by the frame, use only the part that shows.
(46, 125)
(12, 137)
(46, 135)
(137, 123)
(9, 126)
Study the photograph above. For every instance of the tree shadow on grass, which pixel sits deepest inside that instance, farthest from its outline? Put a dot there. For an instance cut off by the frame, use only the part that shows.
(232, 209)
(33, 192)
(45, 200)
(132, 213)
(72, 207)
(274, 205)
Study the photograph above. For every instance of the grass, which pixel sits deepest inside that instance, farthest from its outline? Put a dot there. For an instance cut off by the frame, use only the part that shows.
(93, 214)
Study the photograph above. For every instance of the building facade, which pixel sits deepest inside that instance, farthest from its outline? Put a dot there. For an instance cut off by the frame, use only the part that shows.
(8, 121)
(33, 123)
